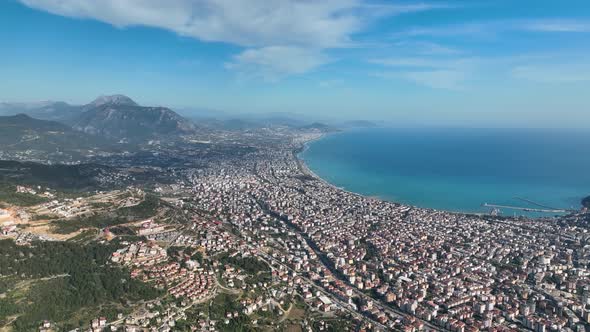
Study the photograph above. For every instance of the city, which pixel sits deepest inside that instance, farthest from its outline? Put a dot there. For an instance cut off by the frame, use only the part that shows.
(262, 227)
(294, 165)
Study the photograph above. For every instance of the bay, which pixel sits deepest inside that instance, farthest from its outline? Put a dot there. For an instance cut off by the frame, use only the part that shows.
(458, 169)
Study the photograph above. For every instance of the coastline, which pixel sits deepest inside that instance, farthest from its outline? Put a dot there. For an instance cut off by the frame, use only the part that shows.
(306, 170)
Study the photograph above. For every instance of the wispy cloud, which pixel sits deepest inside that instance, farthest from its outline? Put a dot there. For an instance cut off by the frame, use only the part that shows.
(494, 28)
(439, 79)
(558, 26)
(421, 60)
(464, 29)
(330, 83)
(455, 73)
(436, 79)
(424, 62)
(430, 72)
(425, 48)
(274, 32)
(553, 73)
(273, 62)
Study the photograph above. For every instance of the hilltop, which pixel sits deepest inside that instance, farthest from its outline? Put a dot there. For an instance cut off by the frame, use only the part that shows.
(33, 137)
(119, 117)
(115, 117)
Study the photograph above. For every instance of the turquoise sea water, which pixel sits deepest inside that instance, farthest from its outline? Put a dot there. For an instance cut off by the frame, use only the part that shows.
(457, 169)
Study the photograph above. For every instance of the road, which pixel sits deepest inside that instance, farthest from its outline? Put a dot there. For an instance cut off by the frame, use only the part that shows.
(383, 306)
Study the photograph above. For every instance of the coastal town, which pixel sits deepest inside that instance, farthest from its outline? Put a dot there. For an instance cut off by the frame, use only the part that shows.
(294, 166)
(266, 232)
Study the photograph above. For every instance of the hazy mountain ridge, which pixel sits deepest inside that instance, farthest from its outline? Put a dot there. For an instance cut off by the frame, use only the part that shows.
(119, 117)
(44, 110)
(113, 117)
(322, 127)
(67, 177)
(112, 100)
(23, 135)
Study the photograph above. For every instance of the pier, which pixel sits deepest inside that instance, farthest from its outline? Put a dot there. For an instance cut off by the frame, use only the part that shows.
(527, 209)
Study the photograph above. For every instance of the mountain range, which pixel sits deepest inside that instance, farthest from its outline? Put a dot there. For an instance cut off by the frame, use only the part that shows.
(115, 117)
(19, 133)
(119, 117)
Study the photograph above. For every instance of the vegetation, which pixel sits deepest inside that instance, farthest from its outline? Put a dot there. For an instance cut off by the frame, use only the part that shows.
(250, 265)
(333, 325)
(63, 177)
(9, 195)
(21, 132)
(84, 236)
(60, 280)
(96, 221)
(220, 306)
(147, 208)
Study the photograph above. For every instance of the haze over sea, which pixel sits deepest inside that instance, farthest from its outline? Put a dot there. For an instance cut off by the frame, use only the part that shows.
(458, 169)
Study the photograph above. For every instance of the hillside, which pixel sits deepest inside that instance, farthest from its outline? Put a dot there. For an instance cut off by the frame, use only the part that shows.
(63, 177)
(317, 126)
(21, 133)
(54, 111)
(115, 117)
(119, 117)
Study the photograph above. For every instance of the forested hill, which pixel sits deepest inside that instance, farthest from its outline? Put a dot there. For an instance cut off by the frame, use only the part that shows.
(67, 283)
(65, 177)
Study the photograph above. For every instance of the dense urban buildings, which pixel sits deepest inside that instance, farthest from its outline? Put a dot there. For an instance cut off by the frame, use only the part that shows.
(259, 228)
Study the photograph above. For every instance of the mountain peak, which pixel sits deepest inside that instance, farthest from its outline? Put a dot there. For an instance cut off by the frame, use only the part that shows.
(19, 116)
(113, 100)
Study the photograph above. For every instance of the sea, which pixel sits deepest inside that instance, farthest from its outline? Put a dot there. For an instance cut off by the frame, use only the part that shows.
(458, 169)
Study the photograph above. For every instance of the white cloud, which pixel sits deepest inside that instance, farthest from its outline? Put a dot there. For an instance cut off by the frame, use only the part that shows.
(268, 28)
(493, 28)
(558, 26)
(330, 83)
(273, 62)
(425, 62)
(556, 73)
(438, 79)
(435, 73)
(246, 23)
(430, 48)
(466, 29)
(431, 64)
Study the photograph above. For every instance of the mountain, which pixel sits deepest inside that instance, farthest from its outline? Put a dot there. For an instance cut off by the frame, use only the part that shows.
(16, 108)
(20, 123)
(198, 114)
(19, 133)
(119, 117)
(317, 126)
(46, 110)
(359, 124)
(56, 111)
(63, 177)
(115, 100)
(113, 117)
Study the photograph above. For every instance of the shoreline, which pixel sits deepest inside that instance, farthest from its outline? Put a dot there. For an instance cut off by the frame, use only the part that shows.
(304, 168)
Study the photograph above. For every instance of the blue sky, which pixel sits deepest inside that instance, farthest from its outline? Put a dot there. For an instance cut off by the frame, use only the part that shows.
(467, 63)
